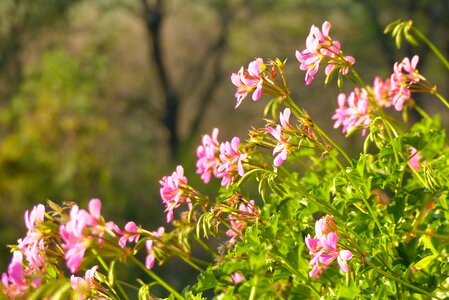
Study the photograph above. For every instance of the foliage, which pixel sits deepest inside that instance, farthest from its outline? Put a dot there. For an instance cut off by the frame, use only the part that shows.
(321, 225)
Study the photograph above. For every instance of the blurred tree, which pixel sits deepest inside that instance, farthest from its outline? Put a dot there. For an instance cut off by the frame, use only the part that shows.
(21, 23)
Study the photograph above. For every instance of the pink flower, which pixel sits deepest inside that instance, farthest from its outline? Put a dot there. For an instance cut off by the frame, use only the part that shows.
(239, 223)
(352, 111)
(174, 191)
(130, 234)
(33, 245)
(248, 81)
(79, 232)
(281, 149)
(14, 282)
(415, 158)
(230, 162)
(208, 161)
(150, 259)
(237, 277)
(319, 46)
(404, 76)
(87, 285)
(381, 91)
(324, 249)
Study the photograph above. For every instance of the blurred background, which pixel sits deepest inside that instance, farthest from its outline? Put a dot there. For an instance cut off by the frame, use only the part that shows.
(101, 98)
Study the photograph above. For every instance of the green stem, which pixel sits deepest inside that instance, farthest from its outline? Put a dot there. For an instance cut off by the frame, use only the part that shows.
(421, 112)
(431, 46)
(252, 295)
(405, 283)
(439, 96)
(299, 113)
(293, 270)
(159, 280)
(106, 267)
(190, 263)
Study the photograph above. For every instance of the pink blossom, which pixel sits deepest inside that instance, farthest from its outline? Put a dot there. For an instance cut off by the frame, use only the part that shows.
(248, 81)
(415, 158)
(237, 277)
(324, 249)
(319, 46)
(239, 223)
(14, 282)
(150, 259)
(281, 149)
(404, 76)
(208, 161)
(130, 234)
(381, 91)
(230, 162)
(85, 286)
(79, 232)
(352, 111)
(33, 245)
(174, 191)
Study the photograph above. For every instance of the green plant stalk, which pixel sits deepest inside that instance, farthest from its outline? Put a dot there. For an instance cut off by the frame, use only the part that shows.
(293, 270)
(365, 201)
(405, 283)
(106, 267)
(299, 113)
(159, 280)
(252, 295)
(431, 46)
(442, 99)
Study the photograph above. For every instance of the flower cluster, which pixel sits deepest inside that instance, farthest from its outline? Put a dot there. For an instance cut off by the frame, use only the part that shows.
(353, 110)
(324, 249)
(319, 47)
(223, 160)
(404, 76)
(32, 247)
(249, 80)
(174, 191)
(207, 163)
(356, 109)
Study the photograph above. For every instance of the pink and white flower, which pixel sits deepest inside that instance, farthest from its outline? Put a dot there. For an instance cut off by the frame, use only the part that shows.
(319, 47)
(324, 248)
(206, 153)
(174, 191)
(231, 162)
(248, 81)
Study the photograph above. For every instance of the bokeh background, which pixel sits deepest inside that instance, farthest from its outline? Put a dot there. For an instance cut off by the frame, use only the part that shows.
(101, 98)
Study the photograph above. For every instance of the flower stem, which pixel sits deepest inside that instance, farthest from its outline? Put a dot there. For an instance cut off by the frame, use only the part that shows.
(299, 113)
(106, 267)
(159, 280)
(398, 280)
(252, 295)
(431, 46)
(439, 96)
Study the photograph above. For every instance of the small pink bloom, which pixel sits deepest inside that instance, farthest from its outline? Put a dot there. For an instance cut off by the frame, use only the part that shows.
(231, 162)
(324, 248)
(381, 91)
(352, 111)
(150, 259)
(206, 153)
(415, 158)
(174, 191)
(237, 277)
(129, 234)
(248, 81)
(84, 286)
(239, 223)
(404, 76)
